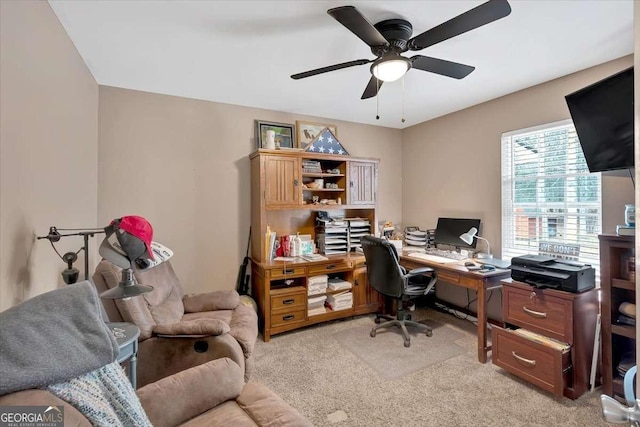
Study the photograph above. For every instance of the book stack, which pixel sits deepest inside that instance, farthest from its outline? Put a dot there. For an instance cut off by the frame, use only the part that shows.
(340, 301)
(311, 166)
(317, 285)
(358, 227)
(337, 284)
(316, 305)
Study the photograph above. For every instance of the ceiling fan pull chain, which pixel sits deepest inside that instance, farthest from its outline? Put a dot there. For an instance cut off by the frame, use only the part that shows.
(377, 97)
(402, 99)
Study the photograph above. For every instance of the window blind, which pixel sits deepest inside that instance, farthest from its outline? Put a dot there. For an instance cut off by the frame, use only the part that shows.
(551, 203)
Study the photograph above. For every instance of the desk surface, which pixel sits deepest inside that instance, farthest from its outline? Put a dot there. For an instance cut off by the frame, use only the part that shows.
(457, 274)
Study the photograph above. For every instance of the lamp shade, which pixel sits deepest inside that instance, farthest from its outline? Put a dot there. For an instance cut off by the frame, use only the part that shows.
(127, 287)
(469, 235)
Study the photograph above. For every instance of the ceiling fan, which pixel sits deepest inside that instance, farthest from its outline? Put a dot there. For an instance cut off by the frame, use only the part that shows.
(388, 39)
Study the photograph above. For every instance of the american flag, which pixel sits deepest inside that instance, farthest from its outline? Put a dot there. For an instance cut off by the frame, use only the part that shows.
(326, 143)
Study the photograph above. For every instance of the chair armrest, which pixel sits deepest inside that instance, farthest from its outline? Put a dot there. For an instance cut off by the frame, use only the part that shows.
(420, 270)
(189, 393)
(211, 301)
(191, 328)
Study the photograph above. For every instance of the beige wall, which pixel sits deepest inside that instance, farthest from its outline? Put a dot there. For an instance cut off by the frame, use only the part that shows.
(48, 148)
(183, 164)
(451, 165)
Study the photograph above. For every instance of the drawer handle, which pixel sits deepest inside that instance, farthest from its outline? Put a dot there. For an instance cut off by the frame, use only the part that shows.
(287, 271)
(331, 266)
(289, 317)
(537, 314)
(288, 301)
(523, 360)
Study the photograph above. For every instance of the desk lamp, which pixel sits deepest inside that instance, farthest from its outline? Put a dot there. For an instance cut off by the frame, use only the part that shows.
(128, 239)
(468, 239)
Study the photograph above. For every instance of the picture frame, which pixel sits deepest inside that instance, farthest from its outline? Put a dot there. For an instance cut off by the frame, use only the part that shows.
(285, 134)
(307, 131)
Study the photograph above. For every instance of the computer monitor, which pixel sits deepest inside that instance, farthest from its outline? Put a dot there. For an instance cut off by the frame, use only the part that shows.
(448, 231)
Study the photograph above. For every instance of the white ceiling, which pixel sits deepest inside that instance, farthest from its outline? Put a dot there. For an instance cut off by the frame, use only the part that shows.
(243, 52)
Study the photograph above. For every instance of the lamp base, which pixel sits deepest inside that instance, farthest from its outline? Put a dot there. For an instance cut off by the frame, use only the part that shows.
(482, 255)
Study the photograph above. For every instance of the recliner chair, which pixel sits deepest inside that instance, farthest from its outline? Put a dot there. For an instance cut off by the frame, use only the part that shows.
(179, 331)
(388, 277)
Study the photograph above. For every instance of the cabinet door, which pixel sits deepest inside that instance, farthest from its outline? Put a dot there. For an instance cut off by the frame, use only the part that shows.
(365, 298)
(363, 180)
(282, 180)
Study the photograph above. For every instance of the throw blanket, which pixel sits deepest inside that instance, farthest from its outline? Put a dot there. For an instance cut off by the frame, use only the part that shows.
(104, 396)
(53, 337)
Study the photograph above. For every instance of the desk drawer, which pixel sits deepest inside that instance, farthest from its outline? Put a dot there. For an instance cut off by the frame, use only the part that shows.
(546, 367)
(287, 271)
(288, 301)
(329, 268)
(449, 276)
(284, 318)
(539, 312)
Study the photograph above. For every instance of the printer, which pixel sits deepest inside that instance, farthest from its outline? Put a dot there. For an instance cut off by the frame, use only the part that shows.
(547, 272)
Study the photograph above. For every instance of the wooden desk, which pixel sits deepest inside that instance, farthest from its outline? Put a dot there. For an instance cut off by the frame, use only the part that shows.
(456, 273)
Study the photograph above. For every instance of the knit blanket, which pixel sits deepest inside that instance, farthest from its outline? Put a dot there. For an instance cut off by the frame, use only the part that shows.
(104, 396)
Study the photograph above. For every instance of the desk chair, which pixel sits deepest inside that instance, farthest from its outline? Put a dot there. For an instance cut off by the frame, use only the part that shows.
(388, 277)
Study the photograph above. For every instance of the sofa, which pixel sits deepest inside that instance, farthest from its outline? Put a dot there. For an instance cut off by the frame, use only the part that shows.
(59, 341)
(178, 331)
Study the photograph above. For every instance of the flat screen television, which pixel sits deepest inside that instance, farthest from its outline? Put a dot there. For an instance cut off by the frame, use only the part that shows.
(603, 116)
(448, 231)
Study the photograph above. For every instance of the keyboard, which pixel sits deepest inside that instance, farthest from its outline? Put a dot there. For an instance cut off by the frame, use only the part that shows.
(432, 258)
(446, 254)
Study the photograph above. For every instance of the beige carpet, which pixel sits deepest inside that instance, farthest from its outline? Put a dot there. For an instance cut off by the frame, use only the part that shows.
(388, 356)
(332, 386)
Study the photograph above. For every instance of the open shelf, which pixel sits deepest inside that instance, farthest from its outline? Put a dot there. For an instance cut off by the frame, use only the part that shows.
(624, 330)
(623, 284)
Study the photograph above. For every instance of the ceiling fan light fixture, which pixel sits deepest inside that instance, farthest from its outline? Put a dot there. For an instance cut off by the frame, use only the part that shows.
(390, 69)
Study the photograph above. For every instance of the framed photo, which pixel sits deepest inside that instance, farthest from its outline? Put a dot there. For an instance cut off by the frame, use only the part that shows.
(285, 134)
(307, 131)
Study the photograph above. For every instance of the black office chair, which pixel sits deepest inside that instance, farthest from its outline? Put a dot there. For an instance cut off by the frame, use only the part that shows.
(388, 277)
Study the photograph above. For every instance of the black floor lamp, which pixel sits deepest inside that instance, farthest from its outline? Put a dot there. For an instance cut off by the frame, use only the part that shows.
(70, 274)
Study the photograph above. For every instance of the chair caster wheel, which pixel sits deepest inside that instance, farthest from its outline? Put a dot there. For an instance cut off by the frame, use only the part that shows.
(378, 320)
(429, 333)
(407, 343)
(372, 334)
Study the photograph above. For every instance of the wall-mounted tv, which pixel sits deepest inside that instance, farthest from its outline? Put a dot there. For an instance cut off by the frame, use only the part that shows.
(603, 116)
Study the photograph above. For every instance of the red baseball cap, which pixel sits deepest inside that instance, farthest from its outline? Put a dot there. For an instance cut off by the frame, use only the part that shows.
(139, 227)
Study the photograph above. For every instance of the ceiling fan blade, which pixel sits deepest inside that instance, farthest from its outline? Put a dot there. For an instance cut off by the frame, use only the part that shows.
(330, 68)
(372, 88)
(351, 18)
(440, 66)
(472, 19)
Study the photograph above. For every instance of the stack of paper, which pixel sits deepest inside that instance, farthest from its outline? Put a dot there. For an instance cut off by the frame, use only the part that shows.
(316, 305)
(340, 301)
(317, 284)
(336, 284)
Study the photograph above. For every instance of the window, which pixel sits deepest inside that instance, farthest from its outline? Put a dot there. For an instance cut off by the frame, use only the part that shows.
(551, 203)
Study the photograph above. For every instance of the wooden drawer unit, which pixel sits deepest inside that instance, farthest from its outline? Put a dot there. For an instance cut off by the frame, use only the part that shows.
(538, 311)
(288, 307)
(563, 316)
(546, 367)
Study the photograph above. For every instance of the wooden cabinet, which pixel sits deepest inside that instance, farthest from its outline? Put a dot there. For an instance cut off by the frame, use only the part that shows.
(559, 358)
(363, 179)
(618, 286)
(282, 181)
(284, 187)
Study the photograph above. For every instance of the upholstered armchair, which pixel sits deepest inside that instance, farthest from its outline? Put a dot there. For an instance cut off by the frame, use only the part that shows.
(179, 331)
